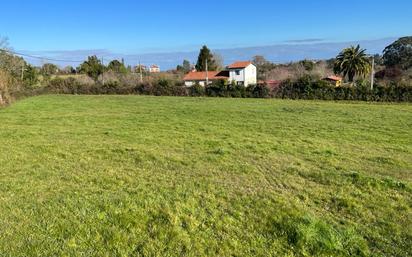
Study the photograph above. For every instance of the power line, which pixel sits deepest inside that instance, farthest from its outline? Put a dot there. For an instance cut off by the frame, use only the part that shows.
(40, 57)
(43, 58)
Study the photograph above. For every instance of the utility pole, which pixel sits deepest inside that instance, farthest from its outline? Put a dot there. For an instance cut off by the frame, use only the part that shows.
(207, 74)
(103, 71)
(373, 72)
(22, 72)
(141, 74)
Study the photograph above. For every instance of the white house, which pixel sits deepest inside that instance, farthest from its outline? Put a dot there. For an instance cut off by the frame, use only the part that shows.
(154, 68)
(242, 73)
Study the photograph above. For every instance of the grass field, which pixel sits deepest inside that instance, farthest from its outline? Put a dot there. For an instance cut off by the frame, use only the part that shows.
(164, 176)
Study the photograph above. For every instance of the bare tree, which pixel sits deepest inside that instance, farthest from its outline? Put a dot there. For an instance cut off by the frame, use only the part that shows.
(9, 62)
(4, 43)
(218, 58)
(259, 60)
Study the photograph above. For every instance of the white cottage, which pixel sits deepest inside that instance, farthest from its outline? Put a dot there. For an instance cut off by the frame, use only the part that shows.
(154, 69)
(242, 73)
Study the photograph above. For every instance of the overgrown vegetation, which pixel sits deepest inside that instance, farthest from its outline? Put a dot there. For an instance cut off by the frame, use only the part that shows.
(5, 84)
(167, 176)
(299, 80)
(306, 87)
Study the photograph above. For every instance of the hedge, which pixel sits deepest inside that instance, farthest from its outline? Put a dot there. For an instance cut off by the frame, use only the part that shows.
(303, 88)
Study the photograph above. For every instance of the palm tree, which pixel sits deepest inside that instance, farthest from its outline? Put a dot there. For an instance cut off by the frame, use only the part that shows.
(351, 62)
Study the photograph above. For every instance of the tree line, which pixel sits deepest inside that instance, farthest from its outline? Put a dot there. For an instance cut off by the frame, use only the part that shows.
(298, 80)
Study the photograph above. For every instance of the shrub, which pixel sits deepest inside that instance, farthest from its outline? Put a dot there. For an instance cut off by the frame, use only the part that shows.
(5, 82)
(63, 86)
(144, 88)
(217, 89)
(305, 87)
(393, 73)
(310, 88)
(196, 90)
(168, 88)
(234, 90)
(258, 91)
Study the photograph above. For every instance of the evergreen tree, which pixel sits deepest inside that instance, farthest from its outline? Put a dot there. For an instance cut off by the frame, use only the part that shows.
(186, 66)
(399, 54)
(204, 55)
(92, 67)
(117, 66)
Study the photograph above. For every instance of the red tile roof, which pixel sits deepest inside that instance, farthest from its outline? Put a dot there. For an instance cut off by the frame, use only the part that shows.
(334, 78)
(273, 83)
(239, 65)
(201, 75)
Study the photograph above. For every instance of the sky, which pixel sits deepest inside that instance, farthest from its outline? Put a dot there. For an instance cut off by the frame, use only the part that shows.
(139, 27)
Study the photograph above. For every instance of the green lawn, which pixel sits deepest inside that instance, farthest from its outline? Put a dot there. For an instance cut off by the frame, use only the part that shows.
(165, 176)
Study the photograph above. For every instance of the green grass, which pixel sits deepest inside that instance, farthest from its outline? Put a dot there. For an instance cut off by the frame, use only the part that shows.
(164, 176)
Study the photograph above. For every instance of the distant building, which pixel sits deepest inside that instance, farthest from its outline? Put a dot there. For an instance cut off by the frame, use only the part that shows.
(140, 68)
(154, 69)
(336, 80)
(199, 77)
(242, 73)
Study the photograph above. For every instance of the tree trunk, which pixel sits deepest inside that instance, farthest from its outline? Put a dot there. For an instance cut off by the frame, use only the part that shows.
(351, 77)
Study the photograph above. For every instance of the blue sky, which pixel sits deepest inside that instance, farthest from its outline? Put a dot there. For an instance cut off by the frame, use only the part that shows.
(156, 26)
(166, 32)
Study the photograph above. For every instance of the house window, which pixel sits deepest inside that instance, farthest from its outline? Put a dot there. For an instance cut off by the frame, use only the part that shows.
(237, 72)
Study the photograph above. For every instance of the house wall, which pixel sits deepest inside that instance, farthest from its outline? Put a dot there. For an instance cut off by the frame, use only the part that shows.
(190, 83)
(237, 78)
(154, 70)
(247, 75)
(250, 75)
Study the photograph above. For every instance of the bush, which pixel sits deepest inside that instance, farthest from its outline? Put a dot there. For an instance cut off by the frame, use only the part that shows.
(234, 90)
(307, 87)
(168, 88)
(5, 82)
(196, 90)
(222, 88)
(217, 89)
(310, 88)
(258, 91)
(64, 86)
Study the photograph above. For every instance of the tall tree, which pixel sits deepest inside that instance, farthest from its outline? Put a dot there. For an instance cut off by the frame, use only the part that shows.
(264, 67)
(205, 55)
(117, 66)
(259, 60)
(49, 69)
(92, 67)
(351, 62)
(4, 43)
(399, 54)
(186, 66)
(9, 62)
(219, 61)
(69, 70)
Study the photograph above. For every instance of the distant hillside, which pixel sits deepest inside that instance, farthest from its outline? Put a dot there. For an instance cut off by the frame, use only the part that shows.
(280, 53)
(276, 53)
